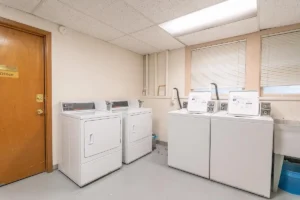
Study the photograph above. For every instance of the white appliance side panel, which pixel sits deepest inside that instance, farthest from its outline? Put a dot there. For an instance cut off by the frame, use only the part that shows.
(139, 126)
(137, 149)
(189, 144)
(286, 140)
(241, 155)
(125, 136)
(102, 135)
(100, 167)
(70, 147)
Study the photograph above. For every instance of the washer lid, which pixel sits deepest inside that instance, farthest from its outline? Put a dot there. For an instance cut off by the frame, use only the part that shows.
(185, 112)
(139, 110)
(89, 114)
(225, 116)
(133, 111)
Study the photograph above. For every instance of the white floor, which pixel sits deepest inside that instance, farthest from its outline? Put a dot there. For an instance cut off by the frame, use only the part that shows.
(149, 178)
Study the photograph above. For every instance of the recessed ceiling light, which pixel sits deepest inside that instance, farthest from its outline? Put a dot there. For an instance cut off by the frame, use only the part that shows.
(219, 14)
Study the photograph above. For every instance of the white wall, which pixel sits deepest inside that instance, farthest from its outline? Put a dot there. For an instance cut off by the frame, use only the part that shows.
(84, 68)
(281, 109)
(162, 105)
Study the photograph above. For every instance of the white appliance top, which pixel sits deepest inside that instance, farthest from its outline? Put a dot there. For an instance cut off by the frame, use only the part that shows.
(83, 110)
(186, 112)
(224, 115)
(89, 114)
(134, 110)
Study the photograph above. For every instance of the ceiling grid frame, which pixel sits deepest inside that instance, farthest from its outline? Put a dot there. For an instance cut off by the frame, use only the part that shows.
(161, 39)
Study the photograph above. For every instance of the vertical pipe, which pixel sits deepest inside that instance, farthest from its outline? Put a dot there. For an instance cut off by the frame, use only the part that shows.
(147, 75)
(155, 74)
(167, 73)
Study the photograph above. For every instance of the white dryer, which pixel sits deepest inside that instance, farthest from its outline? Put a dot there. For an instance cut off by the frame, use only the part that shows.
(91, 142)
(137, 129)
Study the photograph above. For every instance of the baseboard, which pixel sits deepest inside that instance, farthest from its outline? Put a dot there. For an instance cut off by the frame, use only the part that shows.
(55, 167)
(162, 143)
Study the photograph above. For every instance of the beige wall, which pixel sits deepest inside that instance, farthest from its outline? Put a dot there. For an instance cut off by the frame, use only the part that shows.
(84, 68)
(281, 107)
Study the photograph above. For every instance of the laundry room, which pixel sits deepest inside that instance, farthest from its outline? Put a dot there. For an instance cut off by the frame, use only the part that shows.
(149, 99)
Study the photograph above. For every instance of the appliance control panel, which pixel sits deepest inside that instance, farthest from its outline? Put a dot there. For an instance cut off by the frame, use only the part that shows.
(66, 106)
(265, 109)
(212, 106)
(224, 106)
(116, 105)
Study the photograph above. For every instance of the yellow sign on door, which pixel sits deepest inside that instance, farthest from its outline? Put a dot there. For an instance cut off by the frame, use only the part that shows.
(9, 72)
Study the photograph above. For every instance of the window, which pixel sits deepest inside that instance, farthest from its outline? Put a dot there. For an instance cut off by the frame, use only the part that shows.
(155, 74)
(223, 64)
(280, 64)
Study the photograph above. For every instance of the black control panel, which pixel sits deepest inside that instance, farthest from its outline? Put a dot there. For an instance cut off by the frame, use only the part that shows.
(265, 109)
(78, 106)
(224, 106)
(119, 104)
(185, 104)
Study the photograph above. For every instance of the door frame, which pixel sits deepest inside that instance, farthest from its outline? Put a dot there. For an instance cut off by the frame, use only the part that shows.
(48, 81)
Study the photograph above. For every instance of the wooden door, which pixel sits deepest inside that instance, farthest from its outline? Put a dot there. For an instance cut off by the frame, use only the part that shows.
(22, 129)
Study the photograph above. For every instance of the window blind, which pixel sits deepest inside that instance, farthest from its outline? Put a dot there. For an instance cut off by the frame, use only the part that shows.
(222, 64)
(280, 63)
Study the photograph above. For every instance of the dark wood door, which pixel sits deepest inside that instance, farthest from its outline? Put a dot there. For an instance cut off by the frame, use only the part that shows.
(22, 128)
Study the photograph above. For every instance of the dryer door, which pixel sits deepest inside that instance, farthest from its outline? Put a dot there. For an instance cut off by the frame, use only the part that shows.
(140, 126)
(101, 135)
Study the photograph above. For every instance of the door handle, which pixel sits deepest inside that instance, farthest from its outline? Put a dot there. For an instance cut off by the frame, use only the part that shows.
(40, 112)
(91, 139)
(133, 128)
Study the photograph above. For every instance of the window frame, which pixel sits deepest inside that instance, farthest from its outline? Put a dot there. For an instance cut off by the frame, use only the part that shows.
(253, 59)
(218, 45)
(274, 32)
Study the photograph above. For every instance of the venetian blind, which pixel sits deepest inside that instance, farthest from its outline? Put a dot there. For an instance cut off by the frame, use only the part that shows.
(280, 63)
(222, 64)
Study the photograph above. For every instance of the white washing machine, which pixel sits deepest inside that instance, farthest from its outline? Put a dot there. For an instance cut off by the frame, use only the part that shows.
(189, 142)
(137, 129)
(91, 142)
(241, 150)
(189, 135)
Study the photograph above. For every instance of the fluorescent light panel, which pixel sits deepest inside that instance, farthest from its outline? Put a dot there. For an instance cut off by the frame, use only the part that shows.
(219, 14)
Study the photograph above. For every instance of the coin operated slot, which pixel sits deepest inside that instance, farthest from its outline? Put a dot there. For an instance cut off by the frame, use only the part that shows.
(212, 106)
(265, 109)
(224, 106)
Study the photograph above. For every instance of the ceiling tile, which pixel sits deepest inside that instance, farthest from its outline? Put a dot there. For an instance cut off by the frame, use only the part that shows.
(157, 37)
(57, 12)
(115, 13)
(278, 13)
(160, 11)
(229, 30)
(90, 6)
(134, 45)
(25, 5)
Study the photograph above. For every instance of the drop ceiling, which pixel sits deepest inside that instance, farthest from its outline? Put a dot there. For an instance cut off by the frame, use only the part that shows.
(133, 24)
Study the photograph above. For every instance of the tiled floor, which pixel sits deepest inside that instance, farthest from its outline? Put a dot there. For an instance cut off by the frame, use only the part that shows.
(148, 178)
